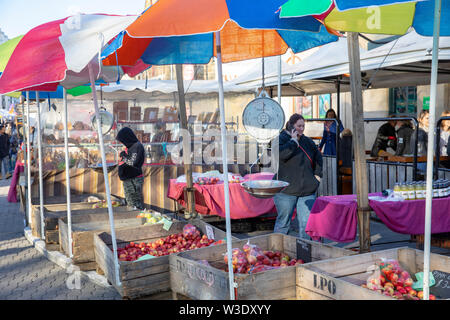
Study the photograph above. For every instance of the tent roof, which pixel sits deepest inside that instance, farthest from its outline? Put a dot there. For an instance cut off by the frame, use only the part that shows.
(140, 89)
(405, 61)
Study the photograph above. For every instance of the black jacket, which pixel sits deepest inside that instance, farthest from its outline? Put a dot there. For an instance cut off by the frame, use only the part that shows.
(134, 158)
(404, 140)
(422, 144)
(4, 145)
(382, 141)
(296, 168)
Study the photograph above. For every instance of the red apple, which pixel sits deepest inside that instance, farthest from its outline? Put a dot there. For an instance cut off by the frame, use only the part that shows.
(408, 282)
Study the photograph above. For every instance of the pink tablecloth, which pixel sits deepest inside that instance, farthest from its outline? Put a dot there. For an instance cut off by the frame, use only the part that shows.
(12, 192)
(210, 199)
(335, 217)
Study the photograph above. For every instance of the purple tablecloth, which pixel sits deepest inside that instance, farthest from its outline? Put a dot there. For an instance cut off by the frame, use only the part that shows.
(335, 217)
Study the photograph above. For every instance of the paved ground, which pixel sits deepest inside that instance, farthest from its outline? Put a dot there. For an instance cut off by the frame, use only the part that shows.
(26, 274)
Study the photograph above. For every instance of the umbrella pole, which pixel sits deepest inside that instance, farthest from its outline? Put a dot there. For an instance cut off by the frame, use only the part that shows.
(279, 79)
(430, 151)
(66, 151)
(359, 143)
(186, 155)
(41, 183)
(28, 148)
(105, 174)
(226, 189)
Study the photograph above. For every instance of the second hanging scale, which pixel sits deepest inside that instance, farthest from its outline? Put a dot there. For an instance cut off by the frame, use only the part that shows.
(263, 119)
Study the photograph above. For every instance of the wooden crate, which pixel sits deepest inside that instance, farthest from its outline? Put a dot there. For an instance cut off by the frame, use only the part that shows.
(141, 278)
(53, 212)
(198, 281)
(341, 278)
(83, 229)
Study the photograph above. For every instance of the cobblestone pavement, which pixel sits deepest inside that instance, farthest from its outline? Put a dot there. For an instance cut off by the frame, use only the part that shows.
(27, 274)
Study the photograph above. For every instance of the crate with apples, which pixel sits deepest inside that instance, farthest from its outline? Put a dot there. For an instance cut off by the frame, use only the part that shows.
(385, 274)
(85, 226)
(264, 268)
(144, 252)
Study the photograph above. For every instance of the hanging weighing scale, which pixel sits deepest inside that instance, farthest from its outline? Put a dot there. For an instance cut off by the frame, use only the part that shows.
(106, 121)
(263, 118)
(106, 124)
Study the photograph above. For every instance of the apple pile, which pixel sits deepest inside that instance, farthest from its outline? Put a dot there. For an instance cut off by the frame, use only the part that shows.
(252, 259)
(104, 204)
(393, 281)
(205, 180)
(189, 239)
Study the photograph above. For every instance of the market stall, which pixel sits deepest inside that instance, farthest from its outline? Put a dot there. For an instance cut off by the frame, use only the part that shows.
(209, 197)
(335, 217)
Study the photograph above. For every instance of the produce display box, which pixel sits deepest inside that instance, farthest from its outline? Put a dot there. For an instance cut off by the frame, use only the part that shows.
(52, 214)
(341, 278)
(58, 203)
(83, 229)
(198, 281)
(146, 277)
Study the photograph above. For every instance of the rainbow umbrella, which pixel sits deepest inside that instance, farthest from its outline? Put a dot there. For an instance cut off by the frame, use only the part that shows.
(371, 16)
(178, 32)
(390, 17)
(6, 50)
(66, 52)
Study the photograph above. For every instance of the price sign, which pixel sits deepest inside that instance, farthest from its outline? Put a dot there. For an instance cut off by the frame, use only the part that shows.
(166, 224)
(442, 287)
(304, 251)
(209, 232)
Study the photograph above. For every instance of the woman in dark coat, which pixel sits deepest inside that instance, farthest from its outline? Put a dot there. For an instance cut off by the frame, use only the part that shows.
(300, 164)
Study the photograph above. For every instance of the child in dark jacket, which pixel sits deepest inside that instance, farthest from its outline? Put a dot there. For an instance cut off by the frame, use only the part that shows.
(130, 167)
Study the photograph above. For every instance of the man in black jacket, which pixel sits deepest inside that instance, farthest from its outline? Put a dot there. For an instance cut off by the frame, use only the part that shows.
(386, 137)
(4, 153)
(130, 167)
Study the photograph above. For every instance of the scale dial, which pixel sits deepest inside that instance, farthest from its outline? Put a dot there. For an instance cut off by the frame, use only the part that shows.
(263, 118)
(106, 121)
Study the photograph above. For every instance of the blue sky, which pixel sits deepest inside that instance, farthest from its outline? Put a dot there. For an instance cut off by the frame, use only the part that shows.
(17, 17)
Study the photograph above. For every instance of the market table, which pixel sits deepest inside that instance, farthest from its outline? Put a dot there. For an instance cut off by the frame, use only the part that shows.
(209, 199)
(335, 217)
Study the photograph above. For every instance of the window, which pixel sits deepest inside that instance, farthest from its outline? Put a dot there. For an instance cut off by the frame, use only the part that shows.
(403, 101)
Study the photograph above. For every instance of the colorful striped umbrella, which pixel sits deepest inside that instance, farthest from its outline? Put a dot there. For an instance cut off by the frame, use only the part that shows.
(177, 32)
(372, 16)
(6, 50)
(59, 52)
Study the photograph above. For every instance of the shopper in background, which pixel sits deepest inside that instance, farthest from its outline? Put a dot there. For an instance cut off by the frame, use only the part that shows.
(130, 168)
(4, 153)
(300, 164)
(422, 142)
(329, 134)
(404, 134)
(14, 145)
(386, 137)
(445, 139)
(445, 134)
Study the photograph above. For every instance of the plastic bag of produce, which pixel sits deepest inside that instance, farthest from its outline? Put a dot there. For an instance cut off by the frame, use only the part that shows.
(190, 231)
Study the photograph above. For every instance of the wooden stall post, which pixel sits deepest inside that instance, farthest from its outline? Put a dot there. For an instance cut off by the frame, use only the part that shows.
(359, 143)
(186, 155)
